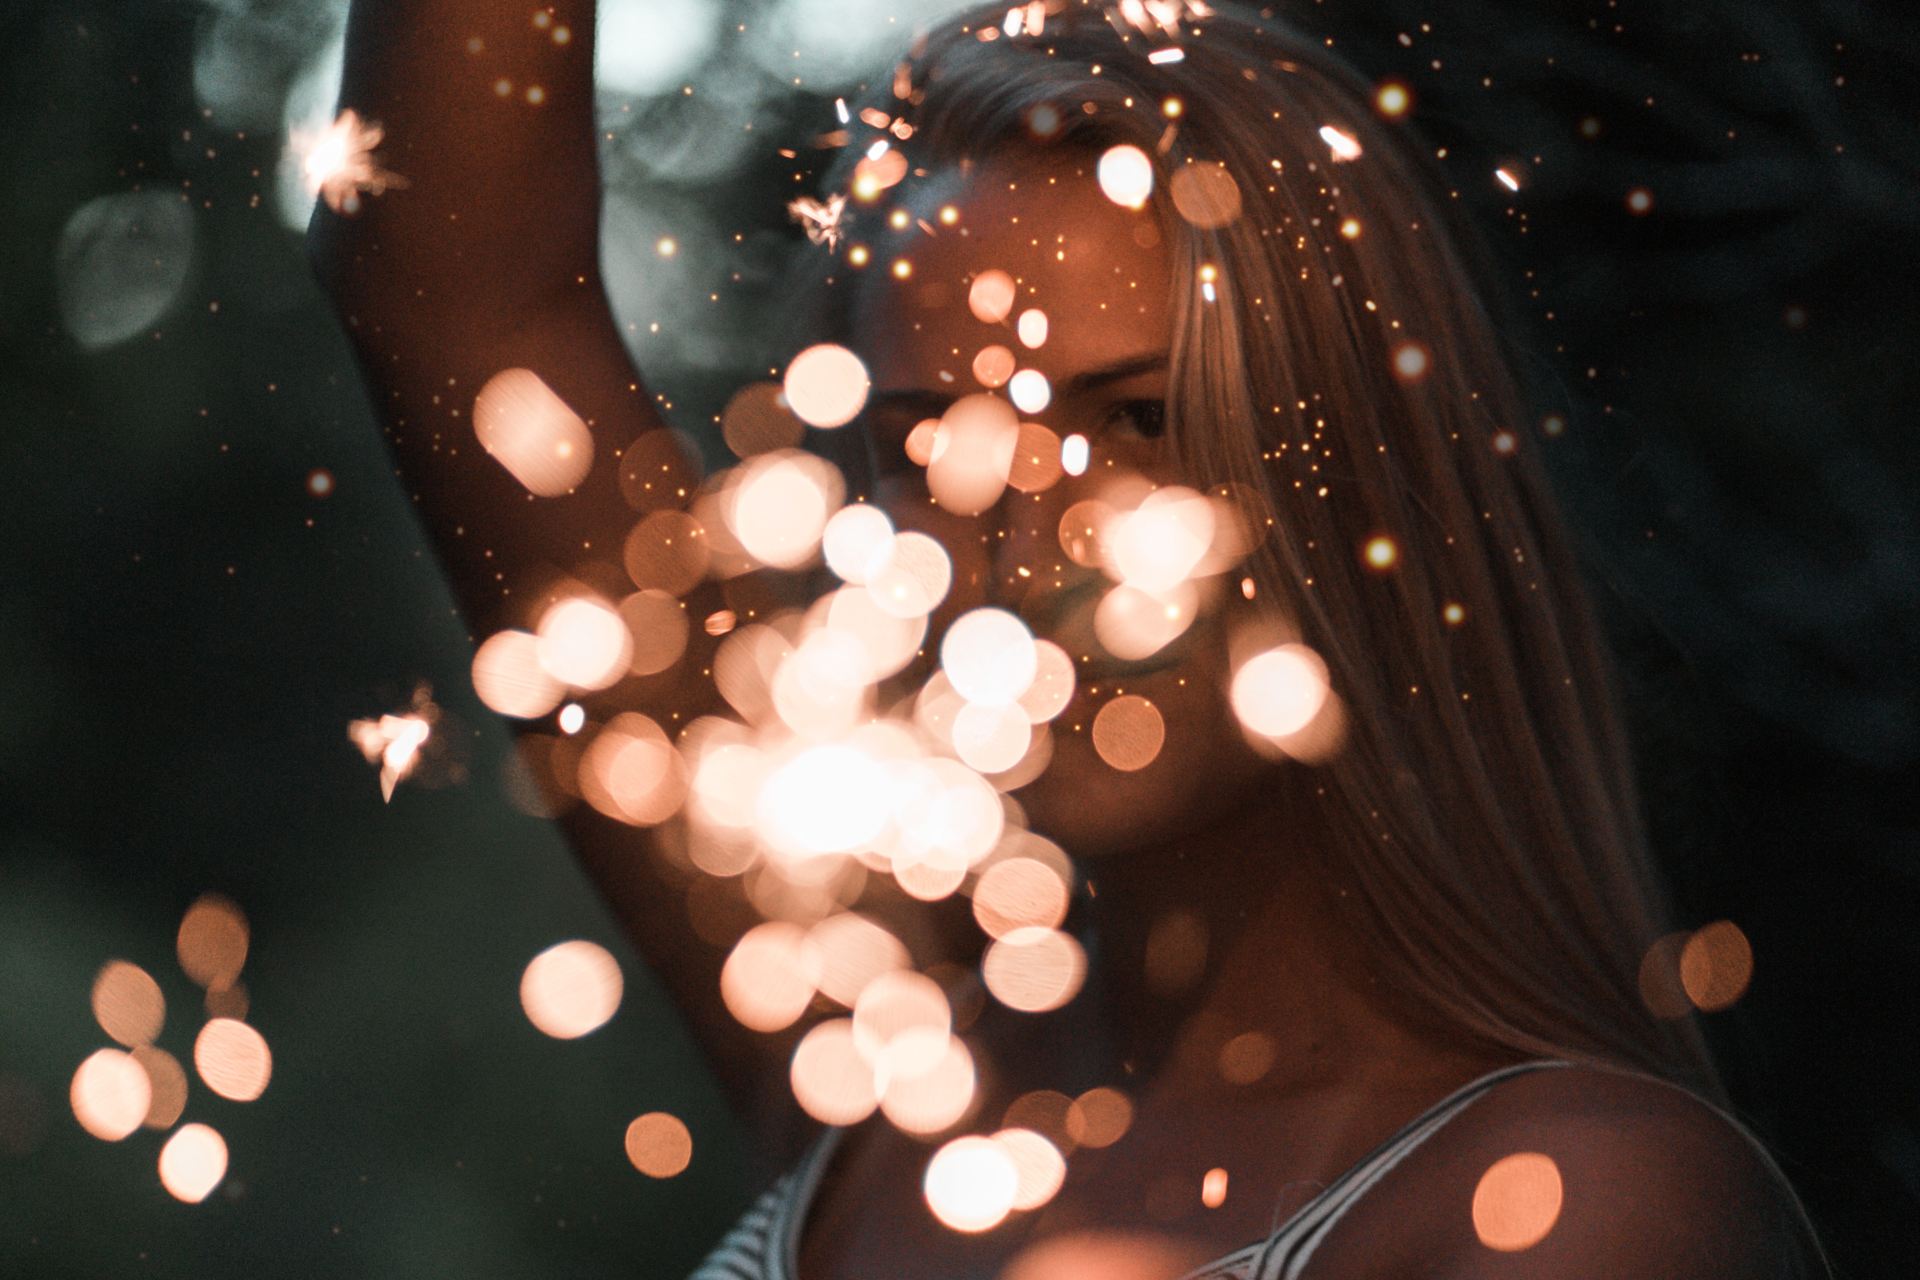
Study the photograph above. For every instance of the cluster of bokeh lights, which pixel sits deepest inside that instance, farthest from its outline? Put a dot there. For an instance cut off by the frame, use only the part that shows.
(116, 1092)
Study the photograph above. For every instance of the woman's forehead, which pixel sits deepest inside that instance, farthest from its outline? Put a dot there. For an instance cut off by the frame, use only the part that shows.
(1098, 272)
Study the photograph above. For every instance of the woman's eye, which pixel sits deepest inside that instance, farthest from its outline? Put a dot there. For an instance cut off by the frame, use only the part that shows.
(1144, 418)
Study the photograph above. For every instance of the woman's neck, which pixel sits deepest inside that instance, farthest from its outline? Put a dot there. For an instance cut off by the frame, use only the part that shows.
(1231, 935)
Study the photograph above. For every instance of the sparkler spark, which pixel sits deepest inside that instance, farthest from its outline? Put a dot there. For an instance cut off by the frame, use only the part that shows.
(394, 741)
(339, 163)
(820, 220)
(1343, 144)
(1156, 17)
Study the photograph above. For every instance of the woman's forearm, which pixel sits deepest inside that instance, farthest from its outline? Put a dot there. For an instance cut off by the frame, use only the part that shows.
(487, 112)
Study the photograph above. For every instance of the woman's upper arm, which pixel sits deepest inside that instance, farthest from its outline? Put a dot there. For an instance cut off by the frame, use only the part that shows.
(485, 262)
(1576, 1174)
(485, 259)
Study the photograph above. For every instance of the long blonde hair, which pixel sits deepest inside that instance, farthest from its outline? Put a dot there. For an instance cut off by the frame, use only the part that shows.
(1482, 815)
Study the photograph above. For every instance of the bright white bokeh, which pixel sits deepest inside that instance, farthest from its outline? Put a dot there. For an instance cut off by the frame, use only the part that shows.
(989, 656)
(1279, 692)
(648, 46)
(826, 799)
(309, 109)
(1126, 175)
(121, 263)
(971, 1184)
(831, 43)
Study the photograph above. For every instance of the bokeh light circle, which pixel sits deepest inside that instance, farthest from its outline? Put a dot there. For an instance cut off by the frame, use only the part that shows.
(826, 386)
(971, 1184)
(659, 1145)
(110, 1094)
(233, 1059)
(571, 988)
(193, 1162)
(1517, 1201)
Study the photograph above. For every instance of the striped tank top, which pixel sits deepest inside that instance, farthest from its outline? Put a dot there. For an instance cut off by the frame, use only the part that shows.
(765, 1245)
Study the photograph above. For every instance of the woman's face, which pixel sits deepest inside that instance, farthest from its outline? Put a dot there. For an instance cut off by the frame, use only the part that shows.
(1100, 274)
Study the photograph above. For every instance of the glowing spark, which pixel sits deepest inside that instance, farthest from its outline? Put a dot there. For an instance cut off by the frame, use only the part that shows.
(1073, 454)
(339, 162)
(1157, 17)
(1381, 552)
(1411, 361)
(1343, 144)
(1507, 179)
(394, 741)
(821, 221)
(1160, 57)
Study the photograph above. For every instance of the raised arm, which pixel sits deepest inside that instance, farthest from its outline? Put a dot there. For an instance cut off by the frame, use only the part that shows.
(487, 260)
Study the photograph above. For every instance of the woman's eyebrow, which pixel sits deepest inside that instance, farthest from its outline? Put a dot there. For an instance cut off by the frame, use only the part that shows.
(1118, 371)
(936, 403)
(929, 404)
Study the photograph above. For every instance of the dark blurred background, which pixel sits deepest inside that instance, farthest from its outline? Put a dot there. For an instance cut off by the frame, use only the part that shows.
(190, 617)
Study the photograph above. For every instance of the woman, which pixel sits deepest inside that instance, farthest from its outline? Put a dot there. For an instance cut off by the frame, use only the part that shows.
(1377, 1009)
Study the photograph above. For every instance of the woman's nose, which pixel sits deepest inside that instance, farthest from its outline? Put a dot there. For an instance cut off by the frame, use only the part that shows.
(1031, 564)
(1012, 555)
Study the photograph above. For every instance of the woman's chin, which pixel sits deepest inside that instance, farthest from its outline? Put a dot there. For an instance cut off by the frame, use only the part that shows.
(1091, 809)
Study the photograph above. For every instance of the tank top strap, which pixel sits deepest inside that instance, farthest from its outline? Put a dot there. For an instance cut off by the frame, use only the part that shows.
(783, 1233)
(1287, 1251)
(765, 1243)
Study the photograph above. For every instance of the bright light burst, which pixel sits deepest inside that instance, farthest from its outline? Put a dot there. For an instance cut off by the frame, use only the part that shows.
(394, 741)
(339, 163)
(1157, 17)
(820, 219)
(1343, 144)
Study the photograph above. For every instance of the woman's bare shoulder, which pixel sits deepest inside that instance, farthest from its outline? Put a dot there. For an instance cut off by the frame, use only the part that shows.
(1579, 1172)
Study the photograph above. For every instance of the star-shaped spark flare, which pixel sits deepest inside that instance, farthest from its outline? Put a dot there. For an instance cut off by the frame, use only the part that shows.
(338, 162)
(394, 741)
(1157, 17)
(821, 220)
